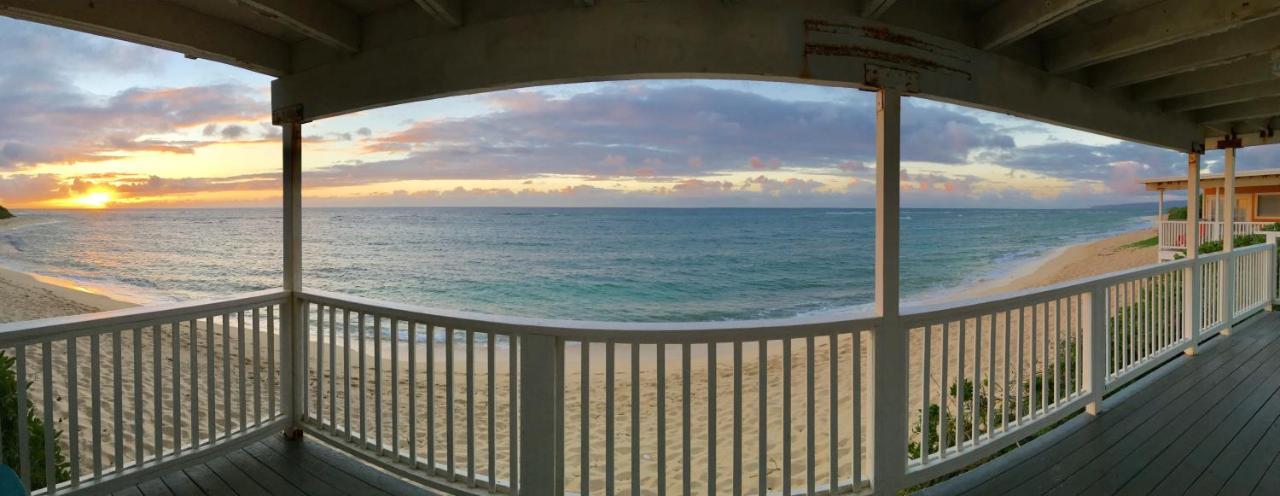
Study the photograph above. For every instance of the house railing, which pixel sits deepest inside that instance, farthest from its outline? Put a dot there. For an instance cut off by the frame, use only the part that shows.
(1173, 233)
(472, 404)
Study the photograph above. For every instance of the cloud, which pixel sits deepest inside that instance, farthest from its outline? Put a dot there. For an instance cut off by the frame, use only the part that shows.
(46, 117)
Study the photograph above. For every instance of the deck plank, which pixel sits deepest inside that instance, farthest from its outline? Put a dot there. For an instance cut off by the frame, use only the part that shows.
(242, 484)
(298, 455)
(154, 487)
(350, 466)
(208, 481)
(264, 475)
(179, 483)
(1208, 425)
(295, 474)
(1080, 448)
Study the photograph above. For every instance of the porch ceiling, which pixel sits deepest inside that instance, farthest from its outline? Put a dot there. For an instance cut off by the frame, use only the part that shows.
(1173, 73)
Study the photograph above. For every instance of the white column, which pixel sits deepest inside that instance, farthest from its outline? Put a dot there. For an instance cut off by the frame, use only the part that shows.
(1191, 278)
(292, 318)
(1160, 207)
(889, 343)
(1228, 238)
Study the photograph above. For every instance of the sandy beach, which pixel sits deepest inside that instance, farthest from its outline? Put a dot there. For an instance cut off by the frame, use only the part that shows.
(27, 298)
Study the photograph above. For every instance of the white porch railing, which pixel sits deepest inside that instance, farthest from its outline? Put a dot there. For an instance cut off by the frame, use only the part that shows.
(138, 391)
(1173, 233)
(470, 403)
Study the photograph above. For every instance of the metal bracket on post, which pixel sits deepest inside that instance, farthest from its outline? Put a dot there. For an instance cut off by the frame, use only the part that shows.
(293, 321)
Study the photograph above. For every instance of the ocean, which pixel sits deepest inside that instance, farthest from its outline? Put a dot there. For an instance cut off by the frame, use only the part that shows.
(615, 264)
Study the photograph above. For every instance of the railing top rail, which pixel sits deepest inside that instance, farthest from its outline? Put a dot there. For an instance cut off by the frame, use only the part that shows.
(16, 333)
(636, 332)
(921, 314)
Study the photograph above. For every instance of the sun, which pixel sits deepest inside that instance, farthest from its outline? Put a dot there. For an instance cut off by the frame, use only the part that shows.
(97, 199)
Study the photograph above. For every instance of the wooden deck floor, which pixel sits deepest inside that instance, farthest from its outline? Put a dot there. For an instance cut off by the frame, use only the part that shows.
(275, 466)
(1210, 425)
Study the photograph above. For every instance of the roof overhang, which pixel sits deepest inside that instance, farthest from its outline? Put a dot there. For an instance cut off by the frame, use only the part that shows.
(1179, 74)
(1268, 177)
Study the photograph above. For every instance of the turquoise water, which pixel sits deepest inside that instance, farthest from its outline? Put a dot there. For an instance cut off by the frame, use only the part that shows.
(598, 264)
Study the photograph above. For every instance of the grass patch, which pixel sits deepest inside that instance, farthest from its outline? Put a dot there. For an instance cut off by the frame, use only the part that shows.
(1146, 243)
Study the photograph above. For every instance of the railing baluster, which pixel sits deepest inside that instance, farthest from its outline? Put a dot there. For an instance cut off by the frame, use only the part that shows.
(448, 401)
(686, 449)
(73, 409)
(20, 415)
(319, 366)
(661, 352)
(95, 390)
(608, 416)
(360, 352)
(737, 417)
(46, 372)
(346, 374)
(226, 377)
(513, 410)
(138, 457)
(257, 368)
(271, 363)
(117, 405)
(241, 367)
(210, 380)
(395, 390)
(157, 385)
(413, 393)
(712, 417)
(175, 369)
(491, 341)
(584, 436)
(925, 362)
(1019, 397)
(856, 367)
(635, 418)
(471, 409)
(763, 456)
(786, 416)
(810, 423)
(377, 382)
(833, 412)
(430, 399)
(1004, 371)
(974, 404)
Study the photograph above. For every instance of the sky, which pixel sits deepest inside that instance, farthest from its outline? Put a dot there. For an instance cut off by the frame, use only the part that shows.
(91, 122)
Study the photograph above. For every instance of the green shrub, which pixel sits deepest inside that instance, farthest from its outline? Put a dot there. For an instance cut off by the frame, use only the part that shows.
(1274, 226)
(9, 416)
(1178, 213)
(1241, 240)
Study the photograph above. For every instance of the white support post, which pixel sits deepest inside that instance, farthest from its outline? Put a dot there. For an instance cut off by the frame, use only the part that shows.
(292, 370)
(1095, 349)
(1160, 208)
(1191, 279)
(889, 343)
(541, 415)
(1228, 279)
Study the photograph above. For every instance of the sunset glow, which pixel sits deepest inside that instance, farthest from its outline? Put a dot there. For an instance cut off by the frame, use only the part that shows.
(98, 199)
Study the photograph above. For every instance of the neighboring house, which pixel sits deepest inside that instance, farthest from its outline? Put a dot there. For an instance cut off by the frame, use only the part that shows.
(1257, 204)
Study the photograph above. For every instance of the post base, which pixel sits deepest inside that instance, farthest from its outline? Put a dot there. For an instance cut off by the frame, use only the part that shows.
(1189, 352)
(292, 433)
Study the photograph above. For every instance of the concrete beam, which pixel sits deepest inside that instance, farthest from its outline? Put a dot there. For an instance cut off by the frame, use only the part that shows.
(1250, 39)
(162, 25)
(321, 20)
(873, 9)
(1013, 20)
(1253, 109)
(448, 12)
(1253, 69)
(1224, 96)
(699, 38)
(1160, 24)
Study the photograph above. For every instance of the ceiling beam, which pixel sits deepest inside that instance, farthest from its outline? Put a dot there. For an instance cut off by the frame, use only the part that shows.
(162, 25)
(448, 12)
(1013, 20)
(873, 9)
(1163, 23)
(1250, 39)
(1223, 96)
(321, 20)
(772, 41)
(1254, 69)
(1253, 109)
